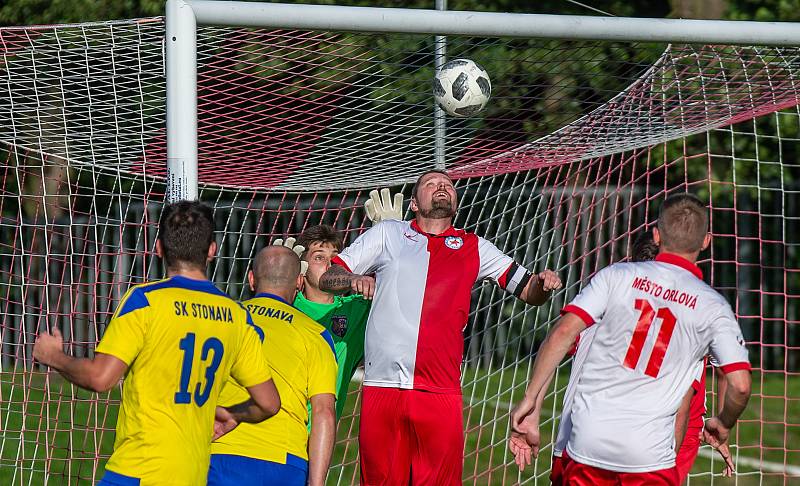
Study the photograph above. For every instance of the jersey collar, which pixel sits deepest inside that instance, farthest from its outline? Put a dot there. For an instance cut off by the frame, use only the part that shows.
(679, 261)
(451, 231)
(271, 296)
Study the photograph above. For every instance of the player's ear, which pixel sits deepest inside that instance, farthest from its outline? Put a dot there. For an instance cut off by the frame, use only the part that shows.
(299, 283)
(212, 251)
(414, 206)
(159, 248)
(251, 279)
(656, 237)
(706, 241)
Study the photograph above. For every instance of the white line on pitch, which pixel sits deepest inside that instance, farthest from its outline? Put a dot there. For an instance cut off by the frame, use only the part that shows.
(754, 463)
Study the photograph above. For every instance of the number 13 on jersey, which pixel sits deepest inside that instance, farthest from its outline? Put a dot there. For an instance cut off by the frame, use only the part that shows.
(211, 346)
(646, 317)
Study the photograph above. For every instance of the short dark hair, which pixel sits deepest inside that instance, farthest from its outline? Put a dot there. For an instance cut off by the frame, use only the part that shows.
(186, 230)
(321, 233)
(644, 248)
(683, 223)
(427, 172)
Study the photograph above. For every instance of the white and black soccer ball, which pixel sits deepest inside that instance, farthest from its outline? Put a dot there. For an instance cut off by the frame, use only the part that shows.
(462, 87)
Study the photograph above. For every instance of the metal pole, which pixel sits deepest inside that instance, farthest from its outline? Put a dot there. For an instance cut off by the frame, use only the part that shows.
(439, 118)
(181, 60)
(490, 24)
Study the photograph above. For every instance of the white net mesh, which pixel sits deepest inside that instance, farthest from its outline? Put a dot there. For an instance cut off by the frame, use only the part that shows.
(578, 147)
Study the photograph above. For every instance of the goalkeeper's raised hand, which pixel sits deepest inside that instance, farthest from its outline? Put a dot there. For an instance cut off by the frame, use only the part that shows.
(299, 249)
(383, 207)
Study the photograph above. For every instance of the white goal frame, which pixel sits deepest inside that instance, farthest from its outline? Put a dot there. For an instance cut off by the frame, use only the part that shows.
(183, 17)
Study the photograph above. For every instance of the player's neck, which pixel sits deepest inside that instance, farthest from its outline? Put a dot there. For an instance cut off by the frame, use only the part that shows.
(285, 294)
(193, 273)
(316, 295)
(434, 226)
(691, 257)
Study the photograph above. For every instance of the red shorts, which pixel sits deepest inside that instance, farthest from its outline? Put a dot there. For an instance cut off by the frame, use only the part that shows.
(577, 474)
(688, 452)
(557, 469)
(410, 437)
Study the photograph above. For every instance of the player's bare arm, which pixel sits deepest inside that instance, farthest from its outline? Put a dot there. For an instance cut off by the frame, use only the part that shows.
(558, 342)
(682, 418)
(723, 449)
(525, 441)
(337, 280)
(539, 288)
(264, 402)
(98, 374)
(322, 438)
(737, 394)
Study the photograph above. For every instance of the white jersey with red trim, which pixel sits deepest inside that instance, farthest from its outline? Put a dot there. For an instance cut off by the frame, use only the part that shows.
(655, 323)
(414, 337)
(582, 344)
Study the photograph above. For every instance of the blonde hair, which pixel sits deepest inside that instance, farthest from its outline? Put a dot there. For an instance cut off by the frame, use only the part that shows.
(683, 223)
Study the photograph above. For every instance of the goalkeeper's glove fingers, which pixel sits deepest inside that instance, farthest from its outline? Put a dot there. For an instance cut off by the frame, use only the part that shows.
(298, 249)
(383, 206)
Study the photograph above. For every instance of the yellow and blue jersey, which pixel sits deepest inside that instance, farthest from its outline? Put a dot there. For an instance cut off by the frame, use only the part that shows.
(300, 352)
(182, 339)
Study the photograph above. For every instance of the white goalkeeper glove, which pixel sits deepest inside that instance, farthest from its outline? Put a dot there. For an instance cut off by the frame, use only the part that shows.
(383, 208)
(298, 249)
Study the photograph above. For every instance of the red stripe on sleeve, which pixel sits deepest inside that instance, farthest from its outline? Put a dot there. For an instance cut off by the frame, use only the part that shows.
(729, 368)
(503, 280)
(574, 348)
(574, 309)
(338, 261)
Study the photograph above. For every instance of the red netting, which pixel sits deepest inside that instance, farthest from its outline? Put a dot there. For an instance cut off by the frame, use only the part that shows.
(572, 159)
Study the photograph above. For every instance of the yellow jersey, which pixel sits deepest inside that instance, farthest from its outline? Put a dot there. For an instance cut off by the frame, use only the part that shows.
(300, 352)
(182, 339)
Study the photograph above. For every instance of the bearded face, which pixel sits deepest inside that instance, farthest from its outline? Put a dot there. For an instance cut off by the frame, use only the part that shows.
(435, 197)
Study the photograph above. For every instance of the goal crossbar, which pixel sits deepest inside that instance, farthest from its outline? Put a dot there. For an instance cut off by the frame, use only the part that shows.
(183, 16)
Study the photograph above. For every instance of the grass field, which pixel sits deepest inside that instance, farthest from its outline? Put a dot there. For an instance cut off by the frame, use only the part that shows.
(59, 418)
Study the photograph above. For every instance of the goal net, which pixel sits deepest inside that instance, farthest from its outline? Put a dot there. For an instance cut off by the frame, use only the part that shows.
(570, 161)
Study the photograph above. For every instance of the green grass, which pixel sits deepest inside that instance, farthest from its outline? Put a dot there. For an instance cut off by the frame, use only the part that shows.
(48, 425)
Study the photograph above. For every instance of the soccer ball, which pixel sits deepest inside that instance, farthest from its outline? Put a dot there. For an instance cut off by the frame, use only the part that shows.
(462, 87)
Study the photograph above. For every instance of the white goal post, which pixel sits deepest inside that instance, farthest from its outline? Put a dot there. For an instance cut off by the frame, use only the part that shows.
(183, 16)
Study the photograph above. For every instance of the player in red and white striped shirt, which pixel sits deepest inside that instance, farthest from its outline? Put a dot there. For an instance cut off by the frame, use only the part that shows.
(411, 429)
(655, 321)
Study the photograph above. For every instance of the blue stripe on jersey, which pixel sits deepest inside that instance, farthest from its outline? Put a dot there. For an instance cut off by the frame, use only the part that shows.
(250, 322)
(181, 282)
(272, 296)
(110, 478)
(329, 339)
(136, 300)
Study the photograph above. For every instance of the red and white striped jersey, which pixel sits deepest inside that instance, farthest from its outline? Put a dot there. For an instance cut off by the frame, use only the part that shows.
(414, 338)
(655, 323)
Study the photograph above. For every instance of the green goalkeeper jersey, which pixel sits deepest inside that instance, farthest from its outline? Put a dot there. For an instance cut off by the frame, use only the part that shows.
(346, 319)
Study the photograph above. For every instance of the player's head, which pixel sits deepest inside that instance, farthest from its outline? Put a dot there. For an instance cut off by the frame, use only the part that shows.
(322, 243)
(276, 270)
(644, 248)
(186, 236)
(434, 195)
(682, 225)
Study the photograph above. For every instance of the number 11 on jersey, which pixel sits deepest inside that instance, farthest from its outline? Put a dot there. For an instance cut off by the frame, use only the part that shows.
(646, 317)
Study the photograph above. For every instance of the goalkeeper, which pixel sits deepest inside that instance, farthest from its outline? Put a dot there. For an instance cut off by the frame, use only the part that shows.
(345, 317)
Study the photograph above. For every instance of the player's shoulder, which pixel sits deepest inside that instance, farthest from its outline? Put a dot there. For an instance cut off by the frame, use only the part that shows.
(136, 297)
(315, 333)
